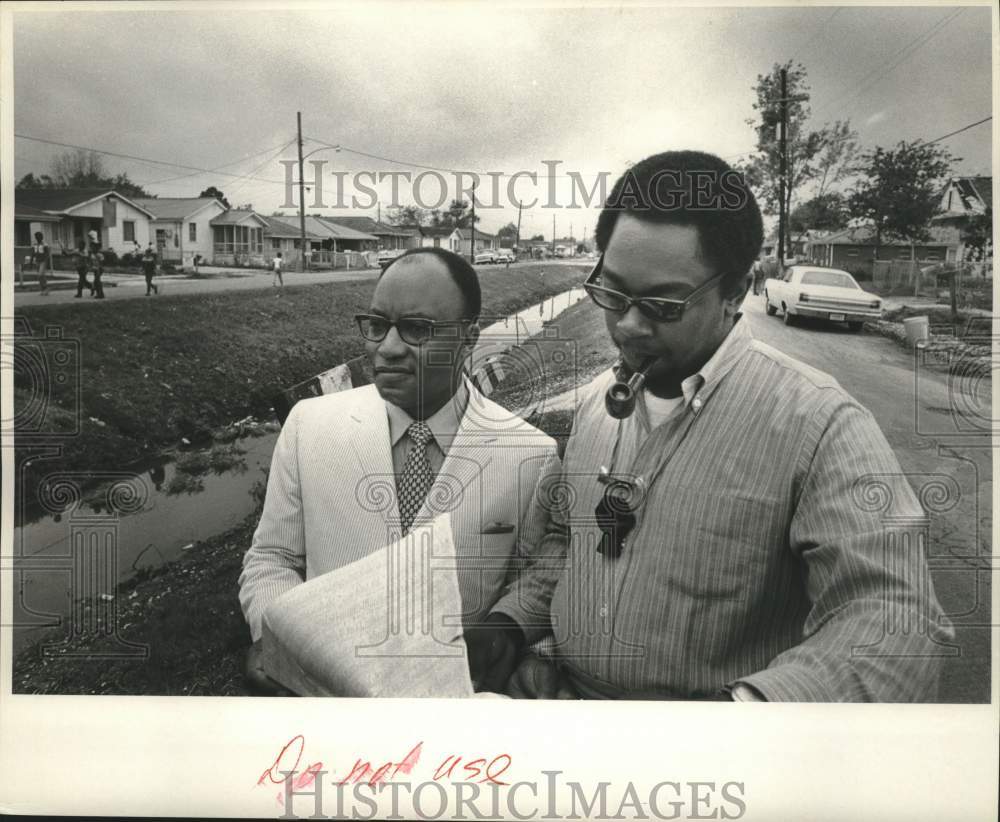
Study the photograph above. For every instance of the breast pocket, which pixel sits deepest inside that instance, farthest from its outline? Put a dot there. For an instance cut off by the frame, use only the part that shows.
(715, 548)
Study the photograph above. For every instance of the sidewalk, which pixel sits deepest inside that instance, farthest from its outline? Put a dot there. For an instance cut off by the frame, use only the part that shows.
(210, 280)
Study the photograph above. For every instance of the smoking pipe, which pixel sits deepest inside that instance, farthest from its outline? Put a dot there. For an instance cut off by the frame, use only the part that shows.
(620, 397)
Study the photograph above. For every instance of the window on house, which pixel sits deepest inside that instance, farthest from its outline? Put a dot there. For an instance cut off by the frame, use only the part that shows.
(903, 254)
(852, 252)
(128, 231)
(932, 255)
(275, 243)
(22, 233)
(193, 232)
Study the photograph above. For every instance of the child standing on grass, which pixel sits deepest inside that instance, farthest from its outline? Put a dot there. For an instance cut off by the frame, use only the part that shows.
(277, 279)
(149, 269)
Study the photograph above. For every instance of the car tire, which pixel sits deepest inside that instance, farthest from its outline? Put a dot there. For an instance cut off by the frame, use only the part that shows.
(769, 309)
(790, 318)
(855, 327)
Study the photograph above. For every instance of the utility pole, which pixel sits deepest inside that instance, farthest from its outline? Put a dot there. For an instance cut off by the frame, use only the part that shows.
(302, 200)
(781, 169)
(472, 241)
(517, 236)
(783, 102)
(553, 235)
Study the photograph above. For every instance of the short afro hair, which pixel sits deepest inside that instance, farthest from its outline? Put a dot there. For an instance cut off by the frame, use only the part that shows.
(692, 188)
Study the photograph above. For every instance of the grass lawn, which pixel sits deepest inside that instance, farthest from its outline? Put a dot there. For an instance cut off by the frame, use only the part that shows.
(152, 372)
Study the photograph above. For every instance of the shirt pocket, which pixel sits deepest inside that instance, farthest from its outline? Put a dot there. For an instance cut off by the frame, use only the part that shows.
(713, 548)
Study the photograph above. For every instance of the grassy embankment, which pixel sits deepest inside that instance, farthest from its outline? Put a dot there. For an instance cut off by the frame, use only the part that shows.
(156, 371)
(152, 372)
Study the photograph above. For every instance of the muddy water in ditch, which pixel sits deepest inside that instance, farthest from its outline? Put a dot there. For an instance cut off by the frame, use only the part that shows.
(86, 544)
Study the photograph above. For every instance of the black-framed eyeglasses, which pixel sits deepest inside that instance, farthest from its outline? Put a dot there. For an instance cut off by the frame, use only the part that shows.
(657, 309)
(413, 330)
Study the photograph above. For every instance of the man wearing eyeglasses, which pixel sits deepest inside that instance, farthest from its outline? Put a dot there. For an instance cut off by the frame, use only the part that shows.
(732, 538)
(425, 428)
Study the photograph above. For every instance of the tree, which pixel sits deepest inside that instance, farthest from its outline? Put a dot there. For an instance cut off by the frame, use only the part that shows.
(407, 215)
(212, 191)
(900, 190)
(458, 215)
(83, 169)
(825, 212)
(977, 237)
(538, 237)
(509, 230)
(827, 154)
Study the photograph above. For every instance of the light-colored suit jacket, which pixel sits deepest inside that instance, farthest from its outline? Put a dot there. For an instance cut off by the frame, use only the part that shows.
(331, 500)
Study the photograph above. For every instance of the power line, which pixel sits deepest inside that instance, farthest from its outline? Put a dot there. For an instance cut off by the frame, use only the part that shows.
(959, 131)
(271, 158)
(821, 30)
(219, 168)
(903, 54)
(147, 160)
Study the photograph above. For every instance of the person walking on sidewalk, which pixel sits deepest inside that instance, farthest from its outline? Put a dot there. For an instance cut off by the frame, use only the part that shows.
(276, 267)
(149, 269)
(97, 264)
(80, 263)
(41, 256)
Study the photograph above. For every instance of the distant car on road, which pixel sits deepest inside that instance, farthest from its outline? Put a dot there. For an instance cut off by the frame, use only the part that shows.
(386, 256)
(504, 255)
(487, 255)
(826, 293)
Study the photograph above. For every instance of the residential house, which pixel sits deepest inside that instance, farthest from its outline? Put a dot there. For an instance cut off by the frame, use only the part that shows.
(28, 220)
(436, 237)
(182, 227)
(853, 249)
(119, 221)
(565, 247)
(461, 241)
(390, 237)
(964, 198)
(238, 238)
(338, 237)
(282, 236)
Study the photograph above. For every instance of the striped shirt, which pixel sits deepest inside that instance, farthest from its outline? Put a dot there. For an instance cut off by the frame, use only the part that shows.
(779, 546)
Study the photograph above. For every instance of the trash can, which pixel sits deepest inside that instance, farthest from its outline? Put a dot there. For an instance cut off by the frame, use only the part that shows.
(917, 330)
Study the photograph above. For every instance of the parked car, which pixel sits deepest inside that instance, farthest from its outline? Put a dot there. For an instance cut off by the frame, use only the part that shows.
(504, 255)
(387, 255)
(487, 255)
(826, 293)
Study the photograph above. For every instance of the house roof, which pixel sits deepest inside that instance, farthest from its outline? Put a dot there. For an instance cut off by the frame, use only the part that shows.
(235, 216)
(324, 228)
(61, 200)
(865, 235)
(283, 230)
(975, 191)
(175, 208)
(436, 231)
(566, 240)
(464, 233)
(369, 226)
(26, 212)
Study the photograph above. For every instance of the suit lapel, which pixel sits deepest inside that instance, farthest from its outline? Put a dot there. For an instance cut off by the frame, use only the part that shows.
(368, 433)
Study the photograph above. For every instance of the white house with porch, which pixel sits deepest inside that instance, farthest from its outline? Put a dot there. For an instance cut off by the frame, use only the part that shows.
(238, 238)
(182, 226)
(120, 222)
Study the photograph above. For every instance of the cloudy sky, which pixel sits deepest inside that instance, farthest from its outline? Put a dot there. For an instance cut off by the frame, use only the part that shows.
(472, 87)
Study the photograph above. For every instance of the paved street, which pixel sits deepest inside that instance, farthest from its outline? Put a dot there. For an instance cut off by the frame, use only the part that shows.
(130, 286)
(939, 427)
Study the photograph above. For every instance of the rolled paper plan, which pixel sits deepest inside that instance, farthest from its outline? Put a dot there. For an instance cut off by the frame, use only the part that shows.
(388, 625)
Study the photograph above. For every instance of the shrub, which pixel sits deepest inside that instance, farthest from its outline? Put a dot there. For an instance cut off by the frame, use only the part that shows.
(168, 268)
(110, 256)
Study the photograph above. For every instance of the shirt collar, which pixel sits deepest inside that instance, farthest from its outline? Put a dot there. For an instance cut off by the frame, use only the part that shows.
(443, 423)
(698, 387)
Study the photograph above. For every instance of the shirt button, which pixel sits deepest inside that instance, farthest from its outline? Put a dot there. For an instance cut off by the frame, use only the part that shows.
(604, 611)
(696, 404)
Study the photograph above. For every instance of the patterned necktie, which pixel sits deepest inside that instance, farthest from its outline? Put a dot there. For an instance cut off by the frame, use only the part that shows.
(417, 476)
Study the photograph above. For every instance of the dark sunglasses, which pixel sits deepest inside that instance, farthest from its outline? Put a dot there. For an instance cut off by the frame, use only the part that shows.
(657, 309)
(413, 330)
